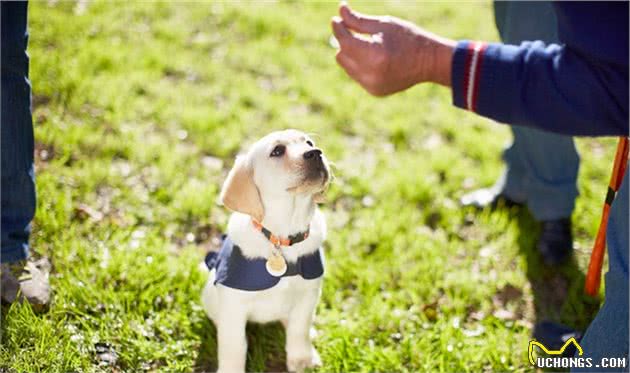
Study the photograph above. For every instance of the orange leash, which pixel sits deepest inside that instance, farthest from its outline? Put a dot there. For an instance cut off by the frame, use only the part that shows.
(594, 274)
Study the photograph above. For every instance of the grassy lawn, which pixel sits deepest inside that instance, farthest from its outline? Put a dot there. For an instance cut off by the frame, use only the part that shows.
(139, 111)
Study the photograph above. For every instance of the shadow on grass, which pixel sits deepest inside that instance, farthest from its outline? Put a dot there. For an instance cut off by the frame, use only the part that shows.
(265, 347)
(558, 291)
(207, 354)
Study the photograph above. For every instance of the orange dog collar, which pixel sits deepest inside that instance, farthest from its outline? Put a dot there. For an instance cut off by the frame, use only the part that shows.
(279, 241)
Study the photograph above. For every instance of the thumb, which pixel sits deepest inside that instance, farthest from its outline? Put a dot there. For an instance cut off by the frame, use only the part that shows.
(360, 22)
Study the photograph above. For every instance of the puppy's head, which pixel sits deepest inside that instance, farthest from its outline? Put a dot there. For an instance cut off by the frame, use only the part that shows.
(280, 165)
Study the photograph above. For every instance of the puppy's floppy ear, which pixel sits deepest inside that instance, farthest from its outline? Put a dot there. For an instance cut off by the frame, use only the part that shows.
(239, 193)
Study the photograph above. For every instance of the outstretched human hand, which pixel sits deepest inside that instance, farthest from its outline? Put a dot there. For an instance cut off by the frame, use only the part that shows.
(386, 55)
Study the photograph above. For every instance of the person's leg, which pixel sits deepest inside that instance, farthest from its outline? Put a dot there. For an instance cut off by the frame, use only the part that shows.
(18, 179)
(549, 182)
(541, 167)
(515, 23)
(18, 277)
(511, 183)
(607, 336)
(544, 164)
(550, 163)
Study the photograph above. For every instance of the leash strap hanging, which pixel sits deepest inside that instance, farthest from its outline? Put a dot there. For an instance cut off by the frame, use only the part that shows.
(594, 274)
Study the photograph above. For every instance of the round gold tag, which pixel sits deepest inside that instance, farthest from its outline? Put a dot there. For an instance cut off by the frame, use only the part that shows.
(276, 265)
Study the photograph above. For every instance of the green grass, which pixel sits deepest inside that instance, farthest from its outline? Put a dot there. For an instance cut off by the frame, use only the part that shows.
(139, 111)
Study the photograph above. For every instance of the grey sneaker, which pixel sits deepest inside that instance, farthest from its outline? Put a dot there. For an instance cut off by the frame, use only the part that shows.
(26, 279)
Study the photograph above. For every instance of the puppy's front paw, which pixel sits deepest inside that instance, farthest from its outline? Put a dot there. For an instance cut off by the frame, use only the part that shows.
(299, 361)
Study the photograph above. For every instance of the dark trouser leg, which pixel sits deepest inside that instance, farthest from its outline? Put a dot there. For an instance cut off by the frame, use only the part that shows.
(17, 144)
(607, 336)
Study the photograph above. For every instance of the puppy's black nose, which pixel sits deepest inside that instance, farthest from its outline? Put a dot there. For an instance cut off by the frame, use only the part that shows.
(312, 154)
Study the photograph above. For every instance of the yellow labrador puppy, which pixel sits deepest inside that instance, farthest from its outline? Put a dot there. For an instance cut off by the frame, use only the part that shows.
(270, 265)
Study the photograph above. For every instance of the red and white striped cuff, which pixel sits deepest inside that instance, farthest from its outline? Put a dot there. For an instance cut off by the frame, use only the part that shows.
(472, 68)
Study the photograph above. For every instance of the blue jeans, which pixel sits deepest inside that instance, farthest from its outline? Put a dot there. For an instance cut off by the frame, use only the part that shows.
(542, 167)
(18, 178)
(607, 336)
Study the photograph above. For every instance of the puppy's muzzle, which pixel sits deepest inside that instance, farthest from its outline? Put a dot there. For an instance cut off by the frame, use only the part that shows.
(315, 166)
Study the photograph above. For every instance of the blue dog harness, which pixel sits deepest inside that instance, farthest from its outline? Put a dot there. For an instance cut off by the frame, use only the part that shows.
(236, 271)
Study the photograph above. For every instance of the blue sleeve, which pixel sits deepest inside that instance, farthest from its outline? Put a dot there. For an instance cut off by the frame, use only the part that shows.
(547, 87)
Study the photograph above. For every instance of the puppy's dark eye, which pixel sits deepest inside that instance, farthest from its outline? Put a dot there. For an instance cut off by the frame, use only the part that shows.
(309, 142)
(278, 151)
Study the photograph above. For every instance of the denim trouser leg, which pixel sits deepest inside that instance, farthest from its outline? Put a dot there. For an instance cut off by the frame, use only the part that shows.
(18, 178)
(542, 167)
(607, 336)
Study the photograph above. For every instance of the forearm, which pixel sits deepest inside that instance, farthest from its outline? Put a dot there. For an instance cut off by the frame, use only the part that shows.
(551, 88)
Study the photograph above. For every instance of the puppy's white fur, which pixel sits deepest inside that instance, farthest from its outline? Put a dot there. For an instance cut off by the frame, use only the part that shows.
(286, 204)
